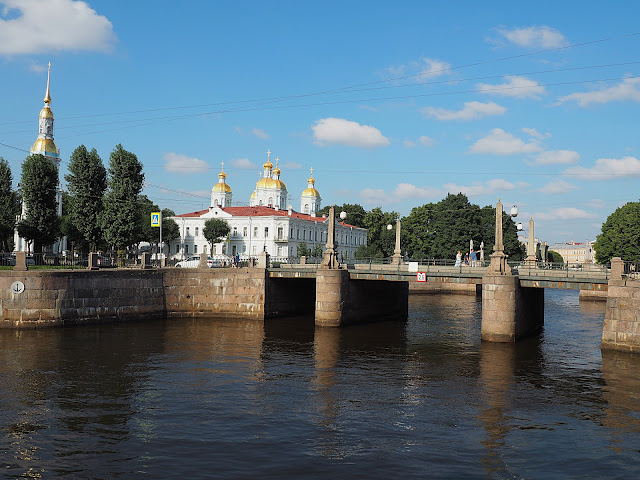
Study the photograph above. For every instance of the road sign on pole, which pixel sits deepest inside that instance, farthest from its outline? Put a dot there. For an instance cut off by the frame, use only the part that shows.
(156, 221)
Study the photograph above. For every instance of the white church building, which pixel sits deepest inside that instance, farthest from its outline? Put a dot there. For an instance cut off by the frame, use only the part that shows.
(268, 224)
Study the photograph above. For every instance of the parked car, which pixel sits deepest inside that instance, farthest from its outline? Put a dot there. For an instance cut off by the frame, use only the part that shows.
(194, 262)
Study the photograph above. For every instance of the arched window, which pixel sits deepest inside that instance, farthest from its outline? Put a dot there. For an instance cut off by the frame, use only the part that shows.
(306, 208)
(270, 200)
(260, 202)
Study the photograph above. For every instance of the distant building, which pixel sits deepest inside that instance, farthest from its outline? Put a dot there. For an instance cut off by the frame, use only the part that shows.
(575, 252)
(268, 224)
(45, 146)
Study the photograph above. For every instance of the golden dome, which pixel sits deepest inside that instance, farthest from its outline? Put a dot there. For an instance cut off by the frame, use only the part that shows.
(44, 145)
(276, 171)
(222, 175)
(46, 113)
(267, 182)
(311, 180)
(310, 192)
(221, 187)
(253, 195)
(268, 164)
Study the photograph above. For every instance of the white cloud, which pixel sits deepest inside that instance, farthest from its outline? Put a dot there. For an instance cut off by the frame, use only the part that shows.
(426, 141)
(260, 133)
(243, 163)
(627, 90)
(499, 142)
(37, 68)
(554, 157)
(421, 70)
(345, 132)
(423, 141)
(534, 37)
(470, 111)
(607, 169)
(490, 187)
(36, 26)
(532, 132)
(407, 190)
(558, 186)
(291, 166)
(563, 214)
(375, 196)
(515, 86)
(177, 163)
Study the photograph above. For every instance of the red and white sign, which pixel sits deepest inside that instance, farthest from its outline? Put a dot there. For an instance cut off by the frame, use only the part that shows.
(421, 277)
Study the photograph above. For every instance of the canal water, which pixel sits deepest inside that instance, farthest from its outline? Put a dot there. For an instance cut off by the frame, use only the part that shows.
(213, 398)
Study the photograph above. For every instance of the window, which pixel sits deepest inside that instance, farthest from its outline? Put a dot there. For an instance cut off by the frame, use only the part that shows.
(304, 234)
(178, 248)
(306, 208)
(270, 201)
(235, 231)
(195, 249)
(297, 233)
(266, 232)
(244, 249)
(279, 233)
(253, 250)
(244, 232)
(255, 231)
(187, 232)
(196, 232)
(186, 249)
(260, 203)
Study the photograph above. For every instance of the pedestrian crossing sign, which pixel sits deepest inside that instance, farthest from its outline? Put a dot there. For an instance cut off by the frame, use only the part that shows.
(155, 219)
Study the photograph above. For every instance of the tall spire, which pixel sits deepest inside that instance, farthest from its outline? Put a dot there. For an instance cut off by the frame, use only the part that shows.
(47, 96)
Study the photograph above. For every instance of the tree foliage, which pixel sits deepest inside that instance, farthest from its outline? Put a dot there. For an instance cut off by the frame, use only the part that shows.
(119, 218)
(620, 235)
(8, 205)
(303, 250)
(39, 182)
(68, 228)
(355, 213)
(87, 182)
(215, 229)
(440, 230)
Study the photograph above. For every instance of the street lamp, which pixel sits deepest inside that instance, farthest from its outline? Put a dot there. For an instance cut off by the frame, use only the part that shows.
(514, 211)
(389, 227)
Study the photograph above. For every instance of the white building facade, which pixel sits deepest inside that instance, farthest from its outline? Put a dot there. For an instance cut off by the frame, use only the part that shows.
(575, 252)
(265, 225)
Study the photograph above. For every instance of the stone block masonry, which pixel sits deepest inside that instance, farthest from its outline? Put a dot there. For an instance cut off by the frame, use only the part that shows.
(510, 312)
(621, 329)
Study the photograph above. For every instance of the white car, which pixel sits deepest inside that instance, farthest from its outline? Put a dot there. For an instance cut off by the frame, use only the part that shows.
(194, 262)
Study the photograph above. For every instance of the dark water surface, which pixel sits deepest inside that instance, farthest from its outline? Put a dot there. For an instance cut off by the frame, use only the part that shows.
(213, 398)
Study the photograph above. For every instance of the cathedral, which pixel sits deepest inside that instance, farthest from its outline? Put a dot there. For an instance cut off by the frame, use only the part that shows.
(45, 146)
(269, 224)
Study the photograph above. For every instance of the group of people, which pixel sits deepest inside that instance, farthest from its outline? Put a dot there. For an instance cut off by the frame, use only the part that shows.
(470, 259)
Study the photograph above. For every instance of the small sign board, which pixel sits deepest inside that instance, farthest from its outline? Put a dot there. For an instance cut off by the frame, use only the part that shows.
(17, 287)
(155, 219)
(413, 267)
(421, 277)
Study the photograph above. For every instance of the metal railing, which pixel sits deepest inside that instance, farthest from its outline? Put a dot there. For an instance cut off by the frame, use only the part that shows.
(631, 270)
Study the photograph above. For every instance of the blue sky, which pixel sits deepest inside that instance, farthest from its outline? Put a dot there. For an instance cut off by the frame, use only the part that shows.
(393, 104)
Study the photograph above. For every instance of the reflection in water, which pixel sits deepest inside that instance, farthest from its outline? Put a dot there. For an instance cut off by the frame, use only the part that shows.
(497, 368)
(193, 398)
(622, 396)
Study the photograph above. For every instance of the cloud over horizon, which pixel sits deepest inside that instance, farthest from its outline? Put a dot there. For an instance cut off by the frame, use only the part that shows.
(34, 26)
(499, 142)
(470, 111)
(327, 131)
(534, 37)
(182, 164)
(607, 169)
(515, 86)
(627, 90)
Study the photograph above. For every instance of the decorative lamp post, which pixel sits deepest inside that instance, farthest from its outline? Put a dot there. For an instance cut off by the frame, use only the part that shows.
(499, 265)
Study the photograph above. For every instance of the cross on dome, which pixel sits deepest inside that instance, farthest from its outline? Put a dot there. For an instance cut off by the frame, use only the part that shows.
(268, 155)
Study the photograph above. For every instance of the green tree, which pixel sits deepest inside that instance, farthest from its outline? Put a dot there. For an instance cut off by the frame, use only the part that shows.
(215, 229)
(380, 240)
(67, 227)
(170, 229)
(620, 235)
(355, 213)
(87, 182)
(317, 251)
(119, 219)
(8, 204)
(39, 183)
(303, 250)
(555, 257)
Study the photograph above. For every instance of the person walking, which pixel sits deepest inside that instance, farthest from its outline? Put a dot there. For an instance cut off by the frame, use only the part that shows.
(473, 256)
(458, 259)
(466, 259)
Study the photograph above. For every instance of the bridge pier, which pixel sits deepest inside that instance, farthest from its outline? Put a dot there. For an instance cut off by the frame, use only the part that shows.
(341, 301)
(510, 312)
(621, 329)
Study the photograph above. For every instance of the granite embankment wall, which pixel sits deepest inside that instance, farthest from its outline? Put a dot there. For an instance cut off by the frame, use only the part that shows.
(621, 330)
(67, 297)
(57, 297)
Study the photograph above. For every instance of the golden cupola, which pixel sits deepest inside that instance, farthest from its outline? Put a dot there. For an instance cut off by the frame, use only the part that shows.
(310, 198)
(45, 145)
(310, 191)
(221, 191)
